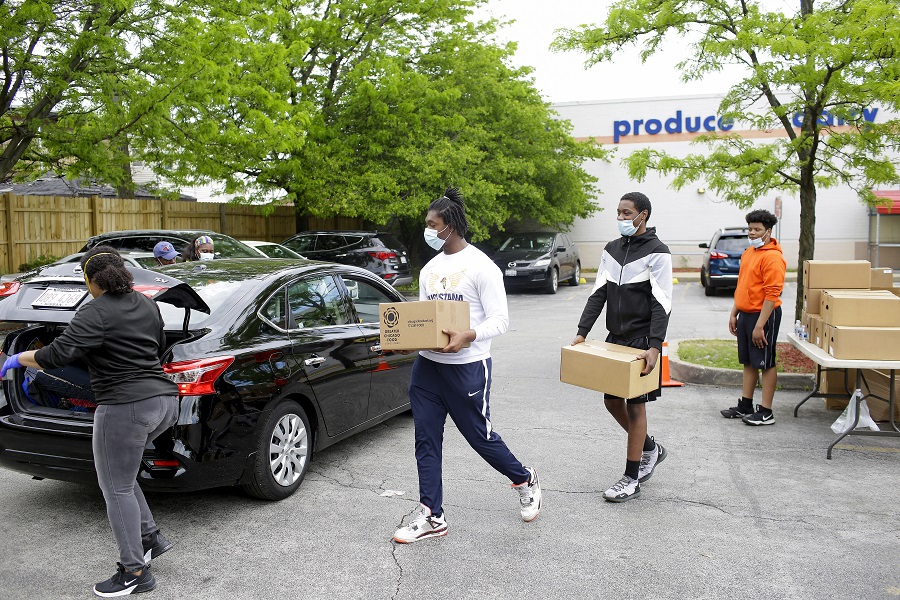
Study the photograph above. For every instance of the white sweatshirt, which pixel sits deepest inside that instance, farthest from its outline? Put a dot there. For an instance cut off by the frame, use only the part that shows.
(470, 276)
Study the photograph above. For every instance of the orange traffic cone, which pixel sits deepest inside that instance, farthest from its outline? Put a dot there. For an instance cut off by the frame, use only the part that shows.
(666, 381)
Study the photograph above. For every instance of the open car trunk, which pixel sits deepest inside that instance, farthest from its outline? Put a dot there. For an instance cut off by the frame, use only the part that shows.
(44, 306)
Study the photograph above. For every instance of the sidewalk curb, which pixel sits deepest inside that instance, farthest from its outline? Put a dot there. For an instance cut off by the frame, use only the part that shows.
(698, 374)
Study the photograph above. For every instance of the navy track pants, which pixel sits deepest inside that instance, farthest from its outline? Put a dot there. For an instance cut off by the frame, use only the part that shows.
(463, 392)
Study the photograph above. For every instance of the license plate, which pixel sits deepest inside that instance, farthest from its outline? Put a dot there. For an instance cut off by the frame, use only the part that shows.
(402, 260)
(59, 298)
(510, 272)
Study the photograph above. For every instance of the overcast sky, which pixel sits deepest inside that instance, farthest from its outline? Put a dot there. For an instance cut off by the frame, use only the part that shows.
(561, 77)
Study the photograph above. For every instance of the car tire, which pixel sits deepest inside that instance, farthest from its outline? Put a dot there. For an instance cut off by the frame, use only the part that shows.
(709, 290)
(703, 281)
(277, 475)
(553, 283)
(576, 277)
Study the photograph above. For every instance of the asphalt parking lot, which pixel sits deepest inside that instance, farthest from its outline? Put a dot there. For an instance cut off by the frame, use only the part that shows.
(734, 512)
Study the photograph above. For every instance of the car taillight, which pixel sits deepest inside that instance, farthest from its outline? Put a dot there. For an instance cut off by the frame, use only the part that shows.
(9, 288)
(715, 254)
(383, 255)
(156, 462)
(148, 290)
(197, 377)
(390, 275)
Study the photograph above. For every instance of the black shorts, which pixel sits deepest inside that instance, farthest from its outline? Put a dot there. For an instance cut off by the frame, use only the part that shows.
(644, 344)
(750, 355)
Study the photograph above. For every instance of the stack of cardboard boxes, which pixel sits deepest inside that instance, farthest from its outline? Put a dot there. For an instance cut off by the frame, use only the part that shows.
(852, 311)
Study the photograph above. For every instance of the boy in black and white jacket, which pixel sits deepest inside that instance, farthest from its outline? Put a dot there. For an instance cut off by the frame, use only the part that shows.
(634, 282)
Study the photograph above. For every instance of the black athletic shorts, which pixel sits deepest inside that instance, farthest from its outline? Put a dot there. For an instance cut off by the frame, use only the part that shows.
(748, 354)
(644, 344)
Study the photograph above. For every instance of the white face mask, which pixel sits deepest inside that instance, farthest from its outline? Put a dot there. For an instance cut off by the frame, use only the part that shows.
(206, 255)
(628, 228)
(760, 241)
(432, 238)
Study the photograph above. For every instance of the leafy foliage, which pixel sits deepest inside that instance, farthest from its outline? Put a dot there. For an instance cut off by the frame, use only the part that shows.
(820, 67)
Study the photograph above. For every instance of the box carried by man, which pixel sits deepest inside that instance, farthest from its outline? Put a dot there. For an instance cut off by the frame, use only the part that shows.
(419, 325)
(607, 368)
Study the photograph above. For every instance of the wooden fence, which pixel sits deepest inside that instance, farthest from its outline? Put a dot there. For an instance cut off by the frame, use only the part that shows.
(53, 225)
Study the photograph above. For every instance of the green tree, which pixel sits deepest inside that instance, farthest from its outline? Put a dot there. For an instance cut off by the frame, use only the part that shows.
(88, 87)
(406, 97)
(819, 66)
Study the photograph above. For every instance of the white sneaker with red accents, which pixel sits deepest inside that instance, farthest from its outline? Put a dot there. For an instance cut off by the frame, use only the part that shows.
(529, 496)
(424, 526)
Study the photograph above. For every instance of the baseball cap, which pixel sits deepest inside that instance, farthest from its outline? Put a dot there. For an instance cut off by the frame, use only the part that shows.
(164, 250)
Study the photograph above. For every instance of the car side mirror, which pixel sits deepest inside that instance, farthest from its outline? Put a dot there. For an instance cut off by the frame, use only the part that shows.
(703, 245)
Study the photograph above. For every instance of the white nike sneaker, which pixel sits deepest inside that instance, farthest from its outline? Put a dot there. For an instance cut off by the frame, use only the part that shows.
(529, 496)
(424, 526)
(650, 460)
(623, 490)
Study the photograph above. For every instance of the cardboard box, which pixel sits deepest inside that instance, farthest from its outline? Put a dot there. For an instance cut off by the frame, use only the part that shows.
(816, 330)
(607, 368)
(811, 299)
(832, 382)
(846, 274)
(882, 279)
(418, 325)
(878, 383)
(871, 310)
(864, 343)
(823, 297)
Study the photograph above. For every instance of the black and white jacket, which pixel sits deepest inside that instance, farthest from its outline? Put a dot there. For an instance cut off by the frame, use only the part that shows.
(635, 282)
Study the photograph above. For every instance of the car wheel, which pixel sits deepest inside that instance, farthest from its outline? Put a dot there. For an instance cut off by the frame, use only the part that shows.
(709, 289)
(702, 277)
(576, 277)
(553, 284)
(283, 453)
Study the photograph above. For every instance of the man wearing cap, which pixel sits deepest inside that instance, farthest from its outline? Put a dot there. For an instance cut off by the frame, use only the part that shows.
(165, 253)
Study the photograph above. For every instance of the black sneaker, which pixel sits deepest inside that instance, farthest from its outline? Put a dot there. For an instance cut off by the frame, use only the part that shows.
(760, 417)
(737, 412)
(124, 583)
(154, 545)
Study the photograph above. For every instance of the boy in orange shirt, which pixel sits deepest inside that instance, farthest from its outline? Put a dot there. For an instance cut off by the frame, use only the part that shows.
(756, 316)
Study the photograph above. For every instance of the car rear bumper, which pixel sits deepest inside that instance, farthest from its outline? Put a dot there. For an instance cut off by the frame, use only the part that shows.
(719, 280)
(527, 278)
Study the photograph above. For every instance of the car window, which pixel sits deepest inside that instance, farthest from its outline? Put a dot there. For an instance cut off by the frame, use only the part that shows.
(216, 294)
(275, 310)
(138, 243)
(356, 241)
(330, 242)
(275, 251)
(533, 241)
(733, 244)
(301, 244)
(228, 247)
(317, 302)
(366, 298)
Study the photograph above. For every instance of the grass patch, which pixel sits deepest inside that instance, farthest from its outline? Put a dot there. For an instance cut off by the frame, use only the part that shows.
(723, 354)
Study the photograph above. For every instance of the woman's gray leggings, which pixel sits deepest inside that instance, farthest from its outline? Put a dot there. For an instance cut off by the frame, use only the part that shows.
(121, 432)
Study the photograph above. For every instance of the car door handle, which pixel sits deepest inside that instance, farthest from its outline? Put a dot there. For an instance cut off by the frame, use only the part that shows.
(315, 361)
(375, 348)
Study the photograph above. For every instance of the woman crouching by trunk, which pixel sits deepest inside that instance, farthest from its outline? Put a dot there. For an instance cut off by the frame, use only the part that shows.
(119, 334)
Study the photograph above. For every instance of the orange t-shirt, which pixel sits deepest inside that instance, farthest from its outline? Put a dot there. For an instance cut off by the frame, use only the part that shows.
(761, 277)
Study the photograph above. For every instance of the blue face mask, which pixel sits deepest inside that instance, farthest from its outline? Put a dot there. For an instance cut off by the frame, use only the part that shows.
(432, 239)
(627, 228)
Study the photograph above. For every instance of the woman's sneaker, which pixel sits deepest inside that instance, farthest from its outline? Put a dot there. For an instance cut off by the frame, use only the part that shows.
(124, 583)
(529, 496)
(154, 545)
(424, 526)
(623, 490)
(649, 460)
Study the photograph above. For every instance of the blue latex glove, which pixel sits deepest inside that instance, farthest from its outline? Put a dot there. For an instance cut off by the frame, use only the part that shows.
(12, 362)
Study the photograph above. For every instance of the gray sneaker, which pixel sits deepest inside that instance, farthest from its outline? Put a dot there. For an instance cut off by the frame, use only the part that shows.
(623, 490)
(649, 460)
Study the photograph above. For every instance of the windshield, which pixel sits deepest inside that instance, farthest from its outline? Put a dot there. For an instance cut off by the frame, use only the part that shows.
(227, 247)
(732, 244)
(214, 293)
(542, 242)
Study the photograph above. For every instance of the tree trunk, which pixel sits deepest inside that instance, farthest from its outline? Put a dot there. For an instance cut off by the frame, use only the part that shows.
(807, 229)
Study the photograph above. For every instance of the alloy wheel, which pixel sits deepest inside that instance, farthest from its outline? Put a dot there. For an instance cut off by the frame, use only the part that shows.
(288, 449)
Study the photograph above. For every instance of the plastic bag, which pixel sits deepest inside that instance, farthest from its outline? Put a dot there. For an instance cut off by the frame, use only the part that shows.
(843, 423)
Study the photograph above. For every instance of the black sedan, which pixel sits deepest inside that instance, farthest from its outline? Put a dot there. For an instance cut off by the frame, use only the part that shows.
(538, 260)
(275, 359)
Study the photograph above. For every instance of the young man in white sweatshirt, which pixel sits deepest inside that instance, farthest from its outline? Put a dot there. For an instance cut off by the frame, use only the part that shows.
(457, 380)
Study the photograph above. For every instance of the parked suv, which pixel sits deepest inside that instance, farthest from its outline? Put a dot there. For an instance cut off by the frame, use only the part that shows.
(380, 253)
(722, 260)
(538, 260)
(143, 240)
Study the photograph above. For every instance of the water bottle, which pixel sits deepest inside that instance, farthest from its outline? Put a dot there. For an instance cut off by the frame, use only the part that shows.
(797, 328)
(804, 335)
